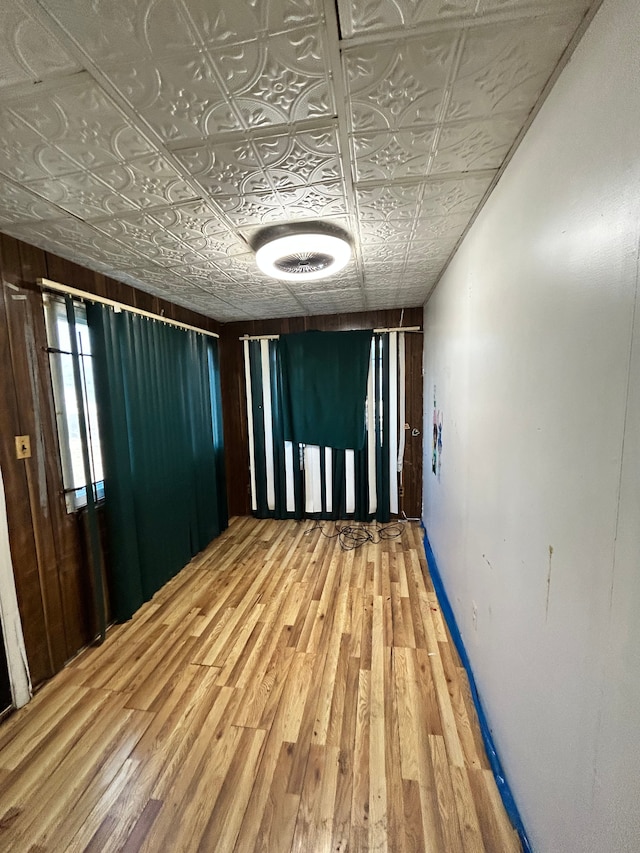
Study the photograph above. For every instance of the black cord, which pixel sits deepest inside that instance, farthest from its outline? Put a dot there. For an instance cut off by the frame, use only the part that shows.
(352, 536)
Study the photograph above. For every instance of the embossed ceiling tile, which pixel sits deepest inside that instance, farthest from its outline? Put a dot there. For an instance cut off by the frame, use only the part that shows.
(171, 253)
(433, 237)
(257, 209)
(221, 246)
(223, 24)
(486, 6)
(382, 273)
(313, 202)
(200, 214)
(278, 80)
(165, 283)
(391, 202)
(350, 280)
(239, 289)
(282, 306)
(146, 182)
(83, 122)
(505, 66)
(475, 144)
(362, 16)
(377, 281)
(178, 96)
(282, 148)
(416, 271)
(386, 156)
(332, 294)
(134, 232)
(243, 265)
(99, 248)
(180, 229)
(25, 155)
(399, 84)
(431, 254)
(225, 168)
(29, 53)
(449, 197)
(203, 276)
(385, 254)
(82, 195)
(440, 229)
(75, 240)
(187, 223)
(375, 232)
(221, 310)
(65, 229)
(197, 225)
(334, 303)
(112, 30)
(180, 244)
(382, 300)
(240, 285)
(226, 314)
(19, 204)
(301, 158)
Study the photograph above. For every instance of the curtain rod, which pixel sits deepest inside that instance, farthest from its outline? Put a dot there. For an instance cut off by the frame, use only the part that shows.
(47, 284)
(377, 331)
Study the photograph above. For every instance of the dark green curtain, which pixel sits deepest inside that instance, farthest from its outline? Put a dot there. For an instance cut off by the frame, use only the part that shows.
(159, 413)
(276, 453)
(324, 379)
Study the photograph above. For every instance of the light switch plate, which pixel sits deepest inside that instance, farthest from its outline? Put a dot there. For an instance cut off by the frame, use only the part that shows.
(23, 447)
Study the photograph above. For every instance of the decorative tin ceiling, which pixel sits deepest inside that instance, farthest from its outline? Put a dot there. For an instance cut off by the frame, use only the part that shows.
(152, 139)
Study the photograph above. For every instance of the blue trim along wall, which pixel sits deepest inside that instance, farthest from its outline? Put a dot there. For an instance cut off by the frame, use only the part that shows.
(494, 760)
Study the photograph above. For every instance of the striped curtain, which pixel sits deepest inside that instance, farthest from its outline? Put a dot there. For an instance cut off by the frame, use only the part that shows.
(303, 481)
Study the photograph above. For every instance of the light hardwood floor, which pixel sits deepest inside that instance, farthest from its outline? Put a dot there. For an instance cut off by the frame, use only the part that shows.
(279, 694)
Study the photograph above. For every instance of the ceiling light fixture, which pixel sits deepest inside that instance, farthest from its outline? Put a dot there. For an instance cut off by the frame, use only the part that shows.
(303, 254)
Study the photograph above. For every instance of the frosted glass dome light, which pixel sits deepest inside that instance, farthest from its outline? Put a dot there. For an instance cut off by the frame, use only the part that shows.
(304, 256)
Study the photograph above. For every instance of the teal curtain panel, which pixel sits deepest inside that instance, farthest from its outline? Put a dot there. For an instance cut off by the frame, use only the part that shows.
(324, 379)
(159, 412)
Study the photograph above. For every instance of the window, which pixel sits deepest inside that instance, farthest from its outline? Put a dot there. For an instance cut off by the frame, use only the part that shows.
(64, 393)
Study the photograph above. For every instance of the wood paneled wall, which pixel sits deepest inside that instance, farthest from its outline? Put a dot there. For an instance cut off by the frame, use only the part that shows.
(234, 405)
(52, 577)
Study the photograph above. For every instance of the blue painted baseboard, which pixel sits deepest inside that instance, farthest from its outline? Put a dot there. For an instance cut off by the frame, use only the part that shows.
(496, 766)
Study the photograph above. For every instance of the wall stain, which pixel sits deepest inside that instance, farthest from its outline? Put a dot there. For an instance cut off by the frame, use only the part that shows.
(546, 612)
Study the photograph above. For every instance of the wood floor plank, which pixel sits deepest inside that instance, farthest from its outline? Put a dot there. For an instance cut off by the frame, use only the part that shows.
(225, 821)
(497, 831)
(263, 786)
(451, 837)
(278, 695)
(359, 830)
(378, 809)
(277, 815)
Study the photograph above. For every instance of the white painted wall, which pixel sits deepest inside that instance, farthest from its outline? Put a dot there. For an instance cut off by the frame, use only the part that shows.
(534, 351)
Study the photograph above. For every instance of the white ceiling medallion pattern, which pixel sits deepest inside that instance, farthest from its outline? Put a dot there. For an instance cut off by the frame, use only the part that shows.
(152, 140)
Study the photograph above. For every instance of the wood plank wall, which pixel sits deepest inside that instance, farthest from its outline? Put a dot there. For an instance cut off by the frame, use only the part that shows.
(234, 405)
(52, 577)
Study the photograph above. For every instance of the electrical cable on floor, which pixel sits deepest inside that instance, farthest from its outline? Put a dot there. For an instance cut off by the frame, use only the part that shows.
(352, 536)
